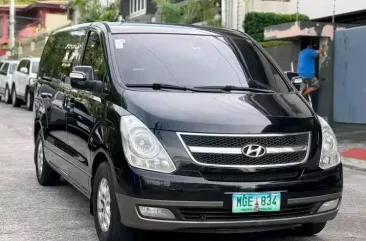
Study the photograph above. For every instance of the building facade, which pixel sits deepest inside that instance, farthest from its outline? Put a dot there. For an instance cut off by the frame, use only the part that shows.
(232, 11)
(32, 19)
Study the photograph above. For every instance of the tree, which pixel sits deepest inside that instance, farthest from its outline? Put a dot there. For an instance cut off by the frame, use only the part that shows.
(193, 12)
(93, 11)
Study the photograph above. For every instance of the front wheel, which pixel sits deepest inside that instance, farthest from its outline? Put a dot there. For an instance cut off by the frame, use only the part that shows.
(29, 98)
(7, 95)
(105, 209)
(15, 100)
(309, 229)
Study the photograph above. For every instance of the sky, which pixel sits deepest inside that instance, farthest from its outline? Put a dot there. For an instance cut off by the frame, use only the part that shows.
(322, 8)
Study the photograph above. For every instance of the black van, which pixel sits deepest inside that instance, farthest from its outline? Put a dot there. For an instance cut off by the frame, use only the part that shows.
(181, 128)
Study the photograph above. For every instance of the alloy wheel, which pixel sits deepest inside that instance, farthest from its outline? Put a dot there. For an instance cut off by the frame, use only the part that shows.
(28, 101)
(14, 96)
(6, 94)
(104, 205)
(40, 158)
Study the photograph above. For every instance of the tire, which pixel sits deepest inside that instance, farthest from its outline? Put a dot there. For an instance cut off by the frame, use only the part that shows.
(309, 229)
(29, 100)
(46, 176)
(7, 96)
(16, 102)
(115, 230)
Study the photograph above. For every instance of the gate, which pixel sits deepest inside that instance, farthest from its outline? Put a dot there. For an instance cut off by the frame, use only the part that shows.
(349, 99)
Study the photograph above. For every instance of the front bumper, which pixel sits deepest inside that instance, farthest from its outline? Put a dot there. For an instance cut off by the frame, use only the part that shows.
(204, 206)
(131, 217)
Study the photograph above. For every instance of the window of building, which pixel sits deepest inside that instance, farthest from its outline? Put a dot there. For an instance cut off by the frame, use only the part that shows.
(137, 7)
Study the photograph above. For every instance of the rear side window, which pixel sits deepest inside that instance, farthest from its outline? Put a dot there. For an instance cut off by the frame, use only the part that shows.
(13, 67)
(60, 54)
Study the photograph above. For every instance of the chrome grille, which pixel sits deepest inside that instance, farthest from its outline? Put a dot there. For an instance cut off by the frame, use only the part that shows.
(226, 150)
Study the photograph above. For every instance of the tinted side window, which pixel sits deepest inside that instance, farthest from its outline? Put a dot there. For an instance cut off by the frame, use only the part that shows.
(94, 56)
(22, 64)
(5, 68)
(60, 54)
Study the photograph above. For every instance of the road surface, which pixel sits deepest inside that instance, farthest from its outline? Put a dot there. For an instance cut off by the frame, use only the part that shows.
(29, 212)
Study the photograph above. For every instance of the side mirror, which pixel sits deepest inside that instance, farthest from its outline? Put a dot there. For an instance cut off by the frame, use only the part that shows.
(297, 80)
(82, 77)
(291, 75)
(24, 70)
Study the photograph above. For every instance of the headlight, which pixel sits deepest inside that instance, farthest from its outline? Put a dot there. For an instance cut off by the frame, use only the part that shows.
(32, 81)
(142, 149)
(330, 155)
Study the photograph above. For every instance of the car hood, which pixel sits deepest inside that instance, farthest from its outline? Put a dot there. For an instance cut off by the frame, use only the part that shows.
(220, 112)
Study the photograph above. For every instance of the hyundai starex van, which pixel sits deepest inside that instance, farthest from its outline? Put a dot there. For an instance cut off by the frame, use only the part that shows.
(181, 128)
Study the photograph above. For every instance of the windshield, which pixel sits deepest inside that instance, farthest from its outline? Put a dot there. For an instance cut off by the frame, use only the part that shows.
(35, 66)
(194, 60)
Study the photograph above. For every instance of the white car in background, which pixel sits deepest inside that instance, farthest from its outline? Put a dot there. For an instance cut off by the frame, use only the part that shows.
(24, 80)
(6, 79)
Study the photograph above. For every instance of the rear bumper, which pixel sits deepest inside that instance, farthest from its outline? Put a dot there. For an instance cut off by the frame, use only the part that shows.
(131, 217)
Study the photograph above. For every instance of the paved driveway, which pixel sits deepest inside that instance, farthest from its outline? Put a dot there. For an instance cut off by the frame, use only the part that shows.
(30, 212)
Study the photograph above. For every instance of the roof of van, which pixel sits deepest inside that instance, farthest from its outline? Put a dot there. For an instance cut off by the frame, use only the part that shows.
(10, 61)
(122, 27)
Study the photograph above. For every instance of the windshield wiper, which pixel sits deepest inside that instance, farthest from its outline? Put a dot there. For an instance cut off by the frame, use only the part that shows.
(159, 86)
(233, 87)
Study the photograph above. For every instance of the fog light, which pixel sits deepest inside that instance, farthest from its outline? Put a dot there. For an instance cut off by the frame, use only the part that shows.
(151, 212)
(330, 205)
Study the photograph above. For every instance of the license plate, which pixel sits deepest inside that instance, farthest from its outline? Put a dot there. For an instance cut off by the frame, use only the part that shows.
(256, 202)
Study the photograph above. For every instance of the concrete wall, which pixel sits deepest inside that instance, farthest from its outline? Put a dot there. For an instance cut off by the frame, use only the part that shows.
(271, 6)
(55, 21)
(286, 55)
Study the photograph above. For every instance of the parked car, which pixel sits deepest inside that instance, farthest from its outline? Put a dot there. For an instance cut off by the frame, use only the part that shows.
(6, 79)
(24, 79)
(181, 128)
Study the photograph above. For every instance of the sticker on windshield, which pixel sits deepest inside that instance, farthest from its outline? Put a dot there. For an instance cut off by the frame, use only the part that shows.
(119, 43)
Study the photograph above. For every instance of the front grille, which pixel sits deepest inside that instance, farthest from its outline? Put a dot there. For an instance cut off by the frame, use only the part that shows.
(250, 177)
(227, 150)
(240, 141)
(237, 160)
(220, 214)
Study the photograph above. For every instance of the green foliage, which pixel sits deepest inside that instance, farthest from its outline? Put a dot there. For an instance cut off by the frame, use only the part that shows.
(93, 11)
(192, 12)
(255, 23)
(274, 43)
(18, 1)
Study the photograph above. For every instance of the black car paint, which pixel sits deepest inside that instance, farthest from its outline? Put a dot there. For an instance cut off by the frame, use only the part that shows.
(81, 129)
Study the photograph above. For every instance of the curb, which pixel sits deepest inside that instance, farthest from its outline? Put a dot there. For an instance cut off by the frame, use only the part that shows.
(354, 164)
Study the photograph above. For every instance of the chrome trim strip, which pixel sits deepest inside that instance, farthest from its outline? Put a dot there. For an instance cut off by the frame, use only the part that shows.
(242, 135)
(179, 134)
(238, 151)
(315, 199)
